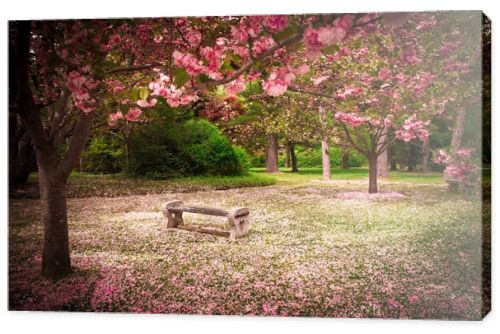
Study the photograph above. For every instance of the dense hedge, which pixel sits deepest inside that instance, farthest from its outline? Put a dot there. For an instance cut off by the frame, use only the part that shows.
(195, 147)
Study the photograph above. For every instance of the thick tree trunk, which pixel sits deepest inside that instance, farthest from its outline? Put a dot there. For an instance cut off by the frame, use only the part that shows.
(425, 156)
(272, 154)
(383, 158)
(458, 131)
(325, 153)
(372, 174)
(293, 158)
(55, 257)
(345, 159)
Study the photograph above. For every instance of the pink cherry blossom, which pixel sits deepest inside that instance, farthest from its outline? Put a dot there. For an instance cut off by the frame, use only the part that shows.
(133, 114)
(275, 23)
(262, 45)
(194, 38)
(236, 86)
(146, 103)
(278, 82)
(192, 65)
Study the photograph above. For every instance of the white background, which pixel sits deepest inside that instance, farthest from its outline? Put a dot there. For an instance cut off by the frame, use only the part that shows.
(41, 322)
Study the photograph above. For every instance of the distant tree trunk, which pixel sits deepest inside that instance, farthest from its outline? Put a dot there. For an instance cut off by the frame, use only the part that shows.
(383, 158)
(325, 153)
(287, 157)
(372, 174)
(425, 156)
(392, 159)
(412, 161)
(293, 157)
(458, 131)
(272, 154)
(345, 159)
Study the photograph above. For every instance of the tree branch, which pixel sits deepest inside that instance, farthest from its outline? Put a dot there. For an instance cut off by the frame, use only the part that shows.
(348, 135)
(76, 145)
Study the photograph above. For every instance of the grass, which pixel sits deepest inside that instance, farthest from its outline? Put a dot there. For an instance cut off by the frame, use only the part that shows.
(310, 252)
(308, 174)
(112, 185)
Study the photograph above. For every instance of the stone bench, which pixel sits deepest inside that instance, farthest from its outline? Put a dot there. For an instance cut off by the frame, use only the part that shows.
(454, 184)
(238, 219)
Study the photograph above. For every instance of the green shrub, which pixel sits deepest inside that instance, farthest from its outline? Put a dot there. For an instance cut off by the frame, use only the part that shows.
(209, 151)
(103, 155)
(169, 148)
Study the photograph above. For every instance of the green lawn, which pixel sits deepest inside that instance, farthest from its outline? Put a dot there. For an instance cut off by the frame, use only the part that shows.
(308, 174)
(312, 249)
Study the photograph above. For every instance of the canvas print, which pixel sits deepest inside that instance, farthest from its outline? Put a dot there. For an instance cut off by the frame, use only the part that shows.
(309, 165)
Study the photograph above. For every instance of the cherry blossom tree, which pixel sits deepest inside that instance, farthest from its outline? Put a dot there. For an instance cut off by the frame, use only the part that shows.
(66, 72)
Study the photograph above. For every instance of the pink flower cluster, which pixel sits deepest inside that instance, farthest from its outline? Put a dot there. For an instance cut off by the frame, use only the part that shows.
(413, 128)
(81, 86)
(316, 39)
(262, 45)
(162, 86)
(456, 66)
(186, 60)
(147, 104)
(349, 91)
(442, 157)
(351, 119)
(458, 166)
(235, 86)
(421, 82)
(194, 38)
(275, 23)
(278, 81)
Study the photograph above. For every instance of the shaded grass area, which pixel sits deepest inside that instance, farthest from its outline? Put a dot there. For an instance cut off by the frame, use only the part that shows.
(309, 253)
(112, 185)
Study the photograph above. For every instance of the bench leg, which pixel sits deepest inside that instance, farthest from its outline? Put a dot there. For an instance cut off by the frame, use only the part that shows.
(172, 219)
(240, 224)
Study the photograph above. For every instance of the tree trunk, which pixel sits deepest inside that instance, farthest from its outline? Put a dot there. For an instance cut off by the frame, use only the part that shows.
(293, 158)
(22, 157)
(53, 169)
(55, 257)
(383, 158)
(372, 179)
(425, 156)
(272, 154)
(345, 159)
(287, 157)
(325, 153)
(458, 131)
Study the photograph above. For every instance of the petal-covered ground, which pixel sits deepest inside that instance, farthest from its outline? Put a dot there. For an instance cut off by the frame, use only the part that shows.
(314, 249)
